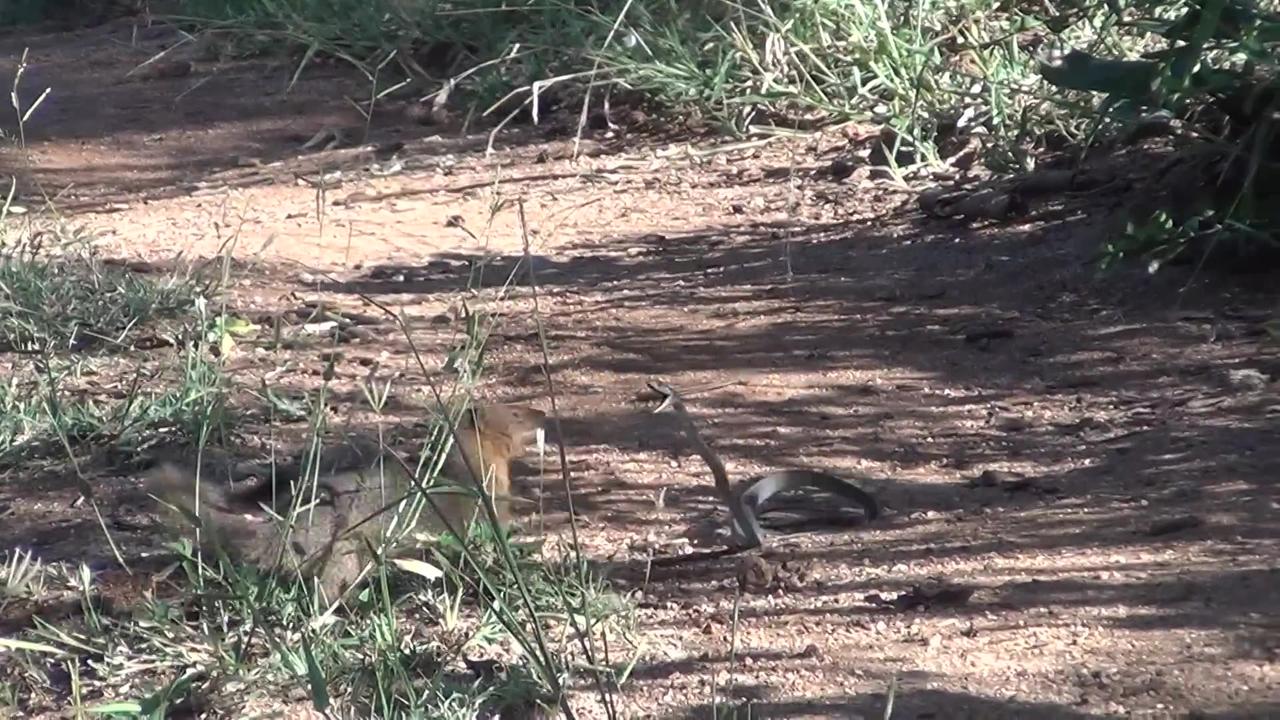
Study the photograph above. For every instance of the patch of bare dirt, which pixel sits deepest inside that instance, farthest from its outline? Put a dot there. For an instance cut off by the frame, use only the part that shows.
(1081, 454)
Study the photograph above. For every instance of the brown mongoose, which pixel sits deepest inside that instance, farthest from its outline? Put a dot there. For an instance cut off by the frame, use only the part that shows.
(489, 437)
(355, 494)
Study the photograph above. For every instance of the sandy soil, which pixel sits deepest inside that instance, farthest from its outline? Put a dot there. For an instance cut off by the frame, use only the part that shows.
(839, 329)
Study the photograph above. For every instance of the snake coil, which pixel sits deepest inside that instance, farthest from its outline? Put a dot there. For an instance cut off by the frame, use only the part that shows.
(747, 502)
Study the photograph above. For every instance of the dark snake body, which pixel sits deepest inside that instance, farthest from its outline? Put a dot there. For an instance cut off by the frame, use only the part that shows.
(747, 504)
(760, 490)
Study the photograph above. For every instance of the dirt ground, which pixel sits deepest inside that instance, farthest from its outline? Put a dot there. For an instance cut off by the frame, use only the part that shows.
(1124, 565)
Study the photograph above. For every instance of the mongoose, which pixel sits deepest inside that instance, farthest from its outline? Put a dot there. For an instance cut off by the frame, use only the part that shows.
(489, 437)
(356, 491)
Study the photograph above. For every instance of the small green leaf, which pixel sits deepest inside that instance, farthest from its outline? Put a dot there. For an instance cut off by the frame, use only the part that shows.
(239, 326)
(1132, 79)
(315, 678)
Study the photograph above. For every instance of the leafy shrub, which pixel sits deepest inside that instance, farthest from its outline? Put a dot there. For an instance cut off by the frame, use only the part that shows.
(1213, 67)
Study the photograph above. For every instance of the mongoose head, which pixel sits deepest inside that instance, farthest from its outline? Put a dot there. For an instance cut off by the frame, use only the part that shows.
(520, 423)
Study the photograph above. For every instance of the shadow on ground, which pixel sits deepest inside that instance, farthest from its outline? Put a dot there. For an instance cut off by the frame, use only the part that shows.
(974, 343)
(998, 349)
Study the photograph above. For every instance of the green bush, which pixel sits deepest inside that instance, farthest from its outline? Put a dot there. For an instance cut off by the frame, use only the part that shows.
(1212, 65)
(932, 69)
(431, 40)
